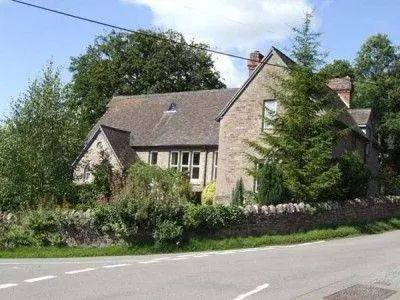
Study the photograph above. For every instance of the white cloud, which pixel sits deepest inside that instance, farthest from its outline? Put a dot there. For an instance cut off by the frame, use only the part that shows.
(233, 25)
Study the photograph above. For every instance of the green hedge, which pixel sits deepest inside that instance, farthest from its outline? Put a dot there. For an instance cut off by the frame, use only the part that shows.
(161, 223)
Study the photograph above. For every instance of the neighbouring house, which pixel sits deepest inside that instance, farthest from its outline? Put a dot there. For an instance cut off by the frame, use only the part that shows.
(203, 132)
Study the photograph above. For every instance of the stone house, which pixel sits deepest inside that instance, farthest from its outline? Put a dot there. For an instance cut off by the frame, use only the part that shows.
(202, 132)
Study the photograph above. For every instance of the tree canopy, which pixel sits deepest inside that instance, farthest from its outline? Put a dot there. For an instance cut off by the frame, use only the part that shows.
(337, 69)
(377, 82)
(138, 63)
(38, 144)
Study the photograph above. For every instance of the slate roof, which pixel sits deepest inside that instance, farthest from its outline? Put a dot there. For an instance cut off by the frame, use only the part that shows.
(360, 115)
(151, 125)
(119, 141)
(286, 60)
(339, 84)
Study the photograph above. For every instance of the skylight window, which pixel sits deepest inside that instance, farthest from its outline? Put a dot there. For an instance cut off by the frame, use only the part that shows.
(172, 107)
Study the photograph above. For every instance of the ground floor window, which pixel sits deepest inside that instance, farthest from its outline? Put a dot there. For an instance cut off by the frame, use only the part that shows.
(215, 167)
(196, 165)
(174, 160)
(187, 162)
(153, 158)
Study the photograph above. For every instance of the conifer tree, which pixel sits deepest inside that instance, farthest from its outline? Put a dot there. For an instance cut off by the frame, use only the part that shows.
(302, 138)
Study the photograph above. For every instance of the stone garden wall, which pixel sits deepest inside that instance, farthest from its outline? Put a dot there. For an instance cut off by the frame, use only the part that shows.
(293, 217)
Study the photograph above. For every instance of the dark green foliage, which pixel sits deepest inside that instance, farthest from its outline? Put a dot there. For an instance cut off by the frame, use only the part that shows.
(355, 176)
(302, 138)
(103, 176)
(152, 195)
(44, 221)
(306, 45)
(152, 182)
(168, 233)
(271, 185)
(17, 236)
(337, 69)
(38, 143)
(137, 63)
(390, 180)
(237, 196)
(208, 219)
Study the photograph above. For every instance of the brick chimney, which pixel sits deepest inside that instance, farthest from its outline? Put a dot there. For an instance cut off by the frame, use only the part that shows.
(343, 87)
(255, 59)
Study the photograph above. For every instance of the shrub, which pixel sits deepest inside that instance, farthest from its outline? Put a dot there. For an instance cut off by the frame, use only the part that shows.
(354, 176)
(167, 233)
(271, 186)
(390, 180)
(208, 194)
(44, 220)
(106, 219)
(237, 196)
(209, 219)
(146, 181)
(17, 236)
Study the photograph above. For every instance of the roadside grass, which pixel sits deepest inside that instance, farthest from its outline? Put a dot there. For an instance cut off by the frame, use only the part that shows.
(206, 244)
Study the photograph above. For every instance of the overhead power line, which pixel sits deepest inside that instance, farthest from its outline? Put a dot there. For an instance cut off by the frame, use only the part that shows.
(138, 32)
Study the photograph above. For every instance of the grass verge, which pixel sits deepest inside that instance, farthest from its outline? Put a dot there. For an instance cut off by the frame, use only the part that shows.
(204, 244)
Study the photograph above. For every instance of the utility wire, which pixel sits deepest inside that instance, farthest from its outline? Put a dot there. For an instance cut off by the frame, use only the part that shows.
(139, 32)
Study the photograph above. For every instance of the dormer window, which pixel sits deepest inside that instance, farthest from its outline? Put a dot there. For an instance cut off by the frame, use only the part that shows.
(172, 107)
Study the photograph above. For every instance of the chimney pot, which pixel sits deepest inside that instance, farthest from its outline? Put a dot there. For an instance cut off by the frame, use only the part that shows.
(255, 59)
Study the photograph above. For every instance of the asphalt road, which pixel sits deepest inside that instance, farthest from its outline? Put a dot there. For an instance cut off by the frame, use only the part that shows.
(365, 267)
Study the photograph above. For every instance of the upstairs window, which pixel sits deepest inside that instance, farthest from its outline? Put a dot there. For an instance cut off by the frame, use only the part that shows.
(153, 158)
(269, 112)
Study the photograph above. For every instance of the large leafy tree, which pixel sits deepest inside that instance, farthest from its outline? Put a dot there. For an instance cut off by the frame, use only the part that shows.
(301, 139)
(138, 63)
(377, 85)
(337, 68)
(38, 143)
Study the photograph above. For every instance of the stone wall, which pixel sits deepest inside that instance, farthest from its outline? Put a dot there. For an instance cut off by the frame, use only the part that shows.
(243, 121)
(290, 218)
(97, 151)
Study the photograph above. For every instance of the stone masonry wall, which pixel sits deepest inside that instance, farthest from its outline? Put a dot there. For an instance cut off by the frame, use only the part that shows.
(290, 218)
(242, 121)
(99, 149)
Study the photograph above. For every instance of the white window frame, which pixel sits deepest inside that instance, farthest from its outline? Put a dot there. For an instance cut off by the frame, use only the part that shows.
(195, 166)
(268, 113)
(171, 165)
(186, 165)
(215, 165)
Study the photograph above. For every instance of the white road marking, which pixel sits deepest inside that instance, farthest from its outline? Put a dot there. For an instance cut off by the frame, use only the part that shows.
(40, 278)
(115, 266)
(148, 262)
(226, 252)
(201, 255)
(252, 292)
(7, 285)
(162, 258)
(178, 258)
(310, 243)
(80, 271)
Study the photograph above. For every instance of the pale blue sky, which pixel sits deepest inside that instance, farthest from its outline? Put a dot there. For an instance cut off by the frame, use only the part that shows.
(29, 38)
